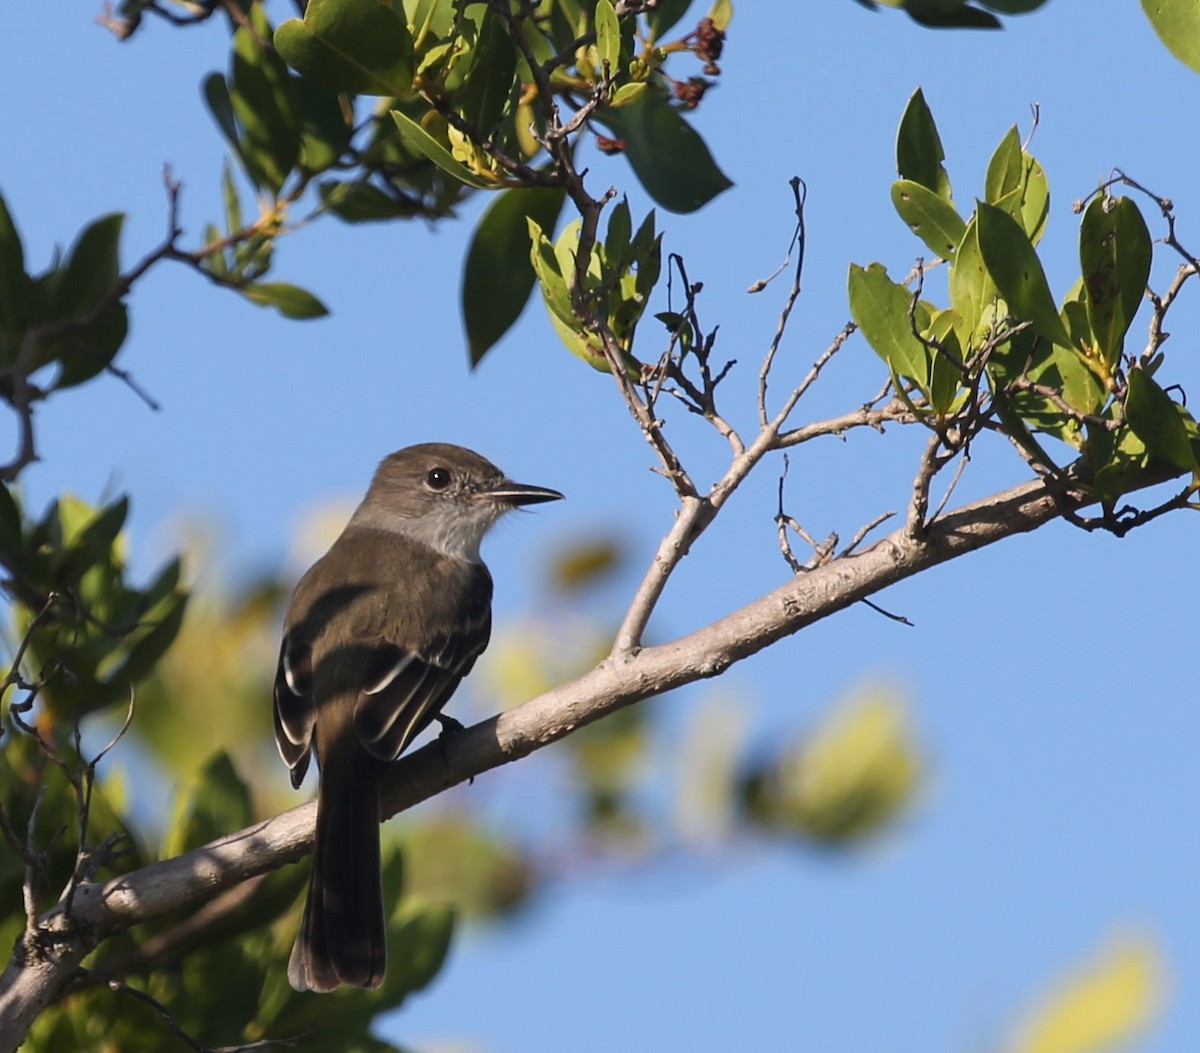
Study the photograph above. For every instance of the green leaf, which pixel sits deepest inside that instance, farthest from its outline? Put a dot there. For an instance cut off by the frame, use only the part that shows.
(930, 217)
(1177, 23)
(721, 13)
(324, 132)
(919, 153)
(498, 274)
(608, 35)
(1015, 268)
(880, 307)
(91, 271)
(145, 654)
(938, 14)
(91, 546)
(945, 363)
(1017, 184)
(217, 802)
(358, 46)
(667, 154)
(290, 300)
(1114, 254)
(665, 15)
(361, 202)
(972, 291)
(422, 143)
(14, 282)
(261, 97)
(1156, 420)
(493, 68)
(628, 94)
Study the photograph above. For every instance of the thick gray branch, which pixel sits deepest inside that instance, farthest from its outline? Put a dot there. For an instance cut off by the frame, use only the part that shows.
(42, 966)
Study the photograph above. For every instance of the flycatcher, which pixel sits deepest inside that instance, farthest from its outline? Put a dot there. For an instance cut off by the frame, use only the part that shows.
(378, 635)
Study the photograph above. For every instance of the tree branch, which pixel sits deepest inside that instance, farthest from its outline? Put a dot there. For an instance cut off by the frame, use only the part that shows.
(40, 969)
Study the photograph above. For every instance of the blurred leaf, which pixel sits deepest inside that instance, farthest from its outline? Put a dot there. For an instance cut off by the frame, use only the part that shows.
(1114, 254)
(667, 154)
(361, 202)
(452, 861)
(930, 217)
(1177, 23)
(418, 942)
(91, 270)
(608, 35)
(850, 778)
(217, 802)
(947, 14)
(289, 300)
(1017, 272)
(357, 46)
(420, 142)
(261, 96)
(1106, 1004)
(14, 282)
(721, 13)
(498, 274)
(707, 762)
(324, 131)
(489, 82)
(1156, 420)
(919, 153)
(665, 15)
(586, 561)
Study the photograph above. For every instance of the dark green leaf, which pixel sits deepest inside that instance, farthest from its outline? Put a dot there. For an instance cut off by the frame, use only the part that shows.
(930, 217)
(91, 546)
(1126, 462)
(261, 97)
(91, 271)
(362, 202)
(1015, 268)
(919, 153)
(880, 307)
(488, 85)
(1114, 254)
(665, 15)
(87, 353)
(357, 46)
(667, 154)
(498, 274)
(938, 15)
(1177, 23)
(324, 131)
(144, 655)
(14, 282)
(290, 300)
(1156, 420)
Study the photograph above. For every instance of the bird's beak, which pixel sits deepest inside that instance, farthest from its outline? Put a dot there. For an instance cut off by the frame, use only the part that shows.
(506, 492)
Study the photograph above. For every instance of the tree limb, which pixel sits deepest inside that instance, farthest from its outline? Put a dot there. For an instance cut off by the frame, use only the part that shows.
(43, 964)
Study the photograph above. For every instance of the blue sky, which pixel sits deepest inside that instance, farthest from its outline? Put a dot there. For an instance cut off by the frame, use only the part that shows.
(1048, 675)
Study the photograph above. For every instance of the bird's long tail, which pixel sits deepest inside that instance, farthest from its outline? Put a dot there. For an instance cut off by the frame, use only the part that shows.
(342, 937)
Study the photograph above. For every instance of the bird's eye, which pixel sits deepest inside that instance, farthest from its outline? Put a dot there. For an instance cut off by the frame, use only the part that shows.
(437, 479)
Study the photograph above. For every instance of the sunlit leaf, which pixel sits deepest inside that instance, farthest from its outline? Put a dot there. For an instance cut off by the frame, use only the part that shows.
(1102, 1007)
(357, 46)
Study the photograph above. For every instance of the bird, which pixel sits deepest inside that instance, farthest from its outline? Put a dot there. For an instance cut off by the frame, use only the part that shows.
(377, 636)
